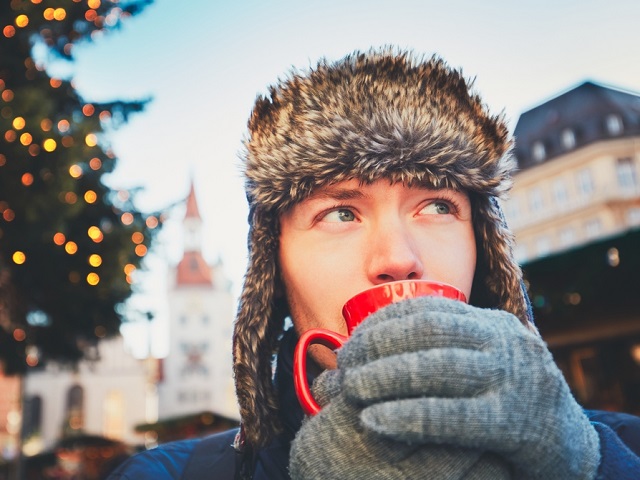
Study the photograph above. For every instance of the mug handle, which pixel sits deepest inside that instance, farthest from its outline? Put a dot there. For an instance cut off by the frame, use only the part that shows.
(321, 336)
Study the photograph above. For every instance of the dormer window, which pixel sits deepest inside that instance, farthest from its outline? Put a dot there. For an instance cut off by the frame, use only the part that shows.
(614, 124)
(568, 138)
(538, 151)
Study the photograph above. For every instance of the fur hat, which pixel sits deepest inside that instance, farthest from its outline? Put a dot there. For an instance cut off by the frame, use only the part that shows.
(380, 114)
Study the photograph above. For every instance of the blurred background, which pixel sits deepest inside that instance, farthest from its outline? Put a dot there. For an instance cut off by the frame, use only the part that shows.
(123, 217)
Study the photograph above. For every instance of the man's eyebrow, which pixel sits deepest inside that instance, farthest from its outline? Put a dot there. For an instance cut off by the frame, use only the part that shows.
(334, 193)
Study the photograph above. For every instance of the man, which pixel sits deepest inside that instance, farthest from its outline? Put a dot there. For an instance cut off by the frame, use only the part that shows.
(384, 166)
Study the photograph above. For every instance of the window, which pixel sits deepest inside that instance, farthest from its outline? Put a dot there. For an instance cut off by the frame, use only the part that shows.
(633, 216)
(560, 192)
(593, 228)
(32, 416)
(626, 173)
(543, 246)
(75, 408)
(614, 124)
(538, 151)
(585, 182)
(114, 426)
(567, 236)
(568, 139)
(535, 200)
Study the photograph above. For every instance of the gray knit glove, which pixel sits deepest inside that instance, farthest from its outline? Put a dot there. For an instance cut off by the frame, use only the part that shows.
(433, 370)
(334, 445)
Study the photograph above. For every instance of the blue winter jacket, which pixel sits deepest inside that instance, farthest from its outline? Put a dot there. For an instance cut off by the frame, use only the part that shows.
(214, 457)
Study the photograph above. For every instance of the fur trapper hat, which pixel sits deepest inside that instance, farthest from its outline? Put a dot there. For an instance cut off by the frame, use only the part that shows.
(380, 114)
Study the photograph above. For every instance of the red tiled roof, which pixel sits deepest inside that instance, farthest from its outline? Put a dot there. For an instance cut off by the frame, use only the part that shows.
(193, 270)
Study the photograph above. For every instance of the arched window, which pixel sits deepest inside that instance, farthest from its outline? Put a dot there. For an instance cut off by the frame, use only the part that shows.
(75, 408)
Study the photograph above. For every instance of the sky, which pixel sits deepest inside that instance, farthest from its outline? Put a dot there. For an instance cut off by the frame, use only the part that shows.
(203, 62)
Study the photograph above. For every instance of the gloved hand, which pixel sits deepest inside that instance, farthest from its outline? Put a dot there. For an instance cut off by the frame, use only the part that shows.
(334, 445)
(432, 370)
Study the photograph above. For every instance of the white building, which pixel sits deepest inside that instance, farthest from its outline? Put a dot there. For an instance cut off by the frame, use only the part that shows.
(108, 396)
(197, 372)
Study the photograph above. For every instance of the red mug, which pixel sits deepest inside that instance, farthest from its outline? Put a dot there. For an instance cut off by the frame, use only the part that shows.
(354, 312)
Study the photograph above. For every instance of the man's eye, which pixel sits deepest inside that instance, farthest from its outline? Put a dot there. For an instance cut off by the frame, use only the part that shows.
(339, 215)
(437, 208)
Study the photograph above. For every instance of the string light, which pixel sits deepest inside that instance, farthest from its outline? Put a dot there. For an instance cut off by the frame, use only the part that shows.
(95, 4)
(9, 31)
(59, 14)
(27, 179)
(95, 234)
(95, 163)
(67, 141)
(49, 145)
(48, 13)
(141, 250)
(7, 95)
(90, 196)
(95, 260)
(8, 215)
(71, 247)
(46, 124)
(10, 136)
(19, 257)
(93, 279)
(137, 237)
(19, 335)
(129, 268)
(126, 218)
(70, 198)
(63, 126)
(18, 123)
(91, 140)
(55, 82)
(75, 171)
(59, 238)
(152, 222)
(26, 139)
(88, 110)
(22, 21)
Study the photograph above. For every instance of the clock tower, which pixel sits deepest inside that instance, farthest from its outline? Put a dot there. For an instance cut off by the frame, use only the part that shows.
(197, 373)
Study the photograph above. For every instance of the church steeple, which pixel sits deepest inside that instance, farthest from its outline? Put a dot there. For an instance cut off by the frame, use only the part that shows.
(192, 269)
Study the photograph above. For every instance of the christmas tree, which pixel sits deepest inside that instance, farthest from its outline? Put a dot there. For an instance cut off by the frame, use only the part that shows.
(69, 244)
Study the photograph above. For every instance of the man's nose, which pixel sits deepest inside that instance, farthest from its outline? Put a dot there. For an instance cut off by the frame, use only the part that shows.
(393, 254)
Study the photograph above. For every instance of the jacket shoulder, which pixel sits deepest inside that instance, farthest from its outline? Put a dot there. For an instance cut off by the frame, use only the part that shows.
(184, 459)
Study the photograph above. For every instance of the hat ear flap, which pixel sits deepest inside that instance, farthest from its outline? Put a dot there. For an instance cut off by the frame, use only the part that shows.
(498, 278)
(258, 324)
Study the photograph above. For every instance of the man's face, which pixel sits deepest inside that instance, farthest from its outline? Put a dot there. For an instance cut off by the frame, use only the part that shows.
(346, 238)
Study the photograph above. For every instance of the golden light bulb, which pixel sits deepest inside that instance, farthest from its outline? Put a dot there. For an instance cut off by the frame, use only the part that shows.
(19, 257)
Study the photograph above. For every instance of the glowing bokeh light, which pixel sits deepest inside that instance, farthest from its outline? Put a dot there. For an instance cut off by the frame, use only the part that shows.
(70, 198)
(129, 268)
(22, 21)
(95, 260)
(55, 82)
(49, 144)
(71, 247)
(88, 110)
(75, 171)
(9, 31)
(8, 215)
(19, 257)
(126, 218)
(59, 238)
(91, 140)
(141, 250)
(95, 234)
(46, 124)
(63, 125)
(19, 335)
(59, 14)
(95, 163)
(10, 136)
(27, 179)
(19, 123)
(7, 95)
(93, 279)
(152, 222)
(90, 196)
(26, 139)
(137, 237)
(48, 13)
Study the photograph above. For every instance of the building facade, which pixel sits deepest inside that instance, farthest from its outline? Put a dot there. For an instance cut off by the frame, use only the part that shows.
(197, 372)
(107, 396)
(575, 213)
(579, 171)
